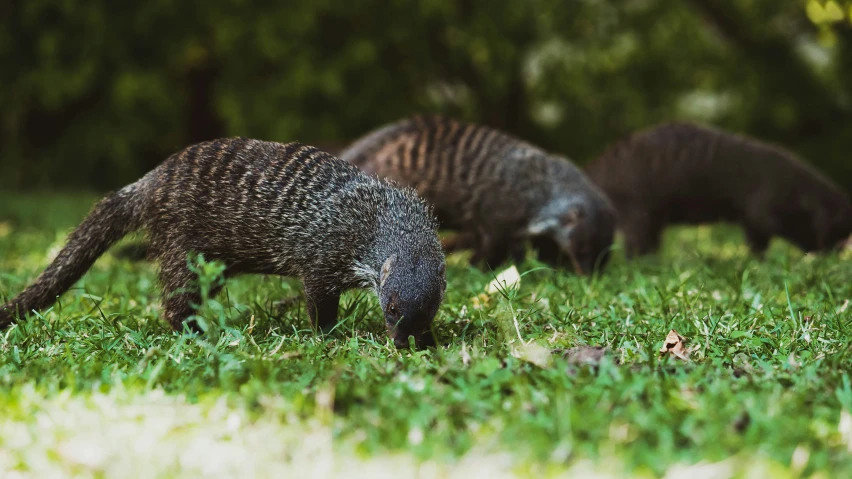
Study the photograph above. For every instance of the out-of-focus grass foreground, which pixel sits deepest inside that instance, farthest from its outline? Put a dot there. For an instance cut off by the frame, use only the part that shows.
(97, 93)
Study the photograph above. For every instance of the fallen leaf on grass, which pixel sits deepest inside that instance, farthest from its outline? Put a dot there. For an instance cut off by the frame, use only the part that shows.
(586, 356)
(290, 355)
(675, 345)
(465, 355)
(507, 279)
(533, 353)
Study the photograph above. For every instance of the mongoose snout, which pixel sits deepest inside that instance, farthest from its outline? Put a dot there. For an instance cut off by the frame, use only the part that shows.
(409, 310)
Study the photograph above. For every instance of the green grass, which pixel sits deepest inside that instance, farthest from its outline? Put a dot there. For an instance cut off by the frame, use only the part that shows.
(99, 386)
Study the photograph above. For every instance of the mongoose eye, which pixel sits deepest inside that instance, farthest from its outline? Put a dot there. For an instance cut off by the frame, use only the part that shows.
(392, 309)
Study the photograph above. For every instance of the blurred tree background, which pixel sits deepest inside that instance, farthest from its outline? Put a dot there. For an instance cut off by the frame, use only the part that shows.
(96, 92)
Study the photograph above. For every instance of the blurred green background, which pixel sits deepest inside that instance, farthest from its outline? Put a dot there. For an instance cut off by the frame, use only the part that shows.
(96, 92)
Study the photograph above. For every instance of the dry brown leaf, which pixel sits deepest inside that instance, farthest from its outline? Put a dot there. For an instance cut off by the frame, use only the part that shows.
(580, 357)
(251, 326)
(675, 345)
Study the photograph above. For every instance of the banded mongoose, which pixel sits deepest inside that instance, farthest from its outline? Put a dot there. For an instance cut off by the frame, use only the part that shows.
(268, 208)
(496, 189)
(689, 173)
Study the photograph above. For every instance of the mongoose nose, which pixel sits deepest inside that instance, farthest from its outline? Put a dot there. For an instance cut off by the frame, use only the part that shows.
(401, 342)
(425, 340)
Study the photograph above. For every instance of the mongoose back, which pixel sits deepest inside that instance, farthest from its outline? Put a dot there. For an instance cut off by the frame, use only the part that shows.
(688, 173)
(496, 189)
(269, 208)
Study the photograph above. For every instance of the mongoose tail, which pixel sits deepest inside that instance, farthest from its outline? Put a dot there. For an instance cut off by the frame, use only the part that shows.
(111, 219)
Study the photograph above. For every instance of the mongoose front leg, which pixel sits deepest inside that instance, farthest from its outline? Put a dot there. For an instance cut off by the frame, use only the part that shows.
(322, 306)
(428, 340)
(758, 226)
(458, 241)
(518, 252)
(493, 251)
(548, 252)
(757, 240)
(642, 235)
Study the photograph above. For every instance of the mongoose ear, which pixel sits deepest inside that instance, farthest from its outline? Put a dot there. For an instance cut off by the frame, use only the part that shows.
(387, 267)
(574, 215)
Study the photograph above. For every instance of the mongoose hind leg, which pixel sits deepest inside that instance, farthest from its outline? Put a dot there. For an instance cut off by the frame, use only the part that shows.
(492, 251)
(322, 306)
(518, 252)
(758, 224)
(458, 241)
(757, 239)
(181, 295)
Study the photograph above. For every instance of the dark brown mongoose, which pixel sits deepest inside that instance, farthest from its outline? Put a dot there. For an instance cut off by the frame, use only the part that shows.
(496, 189)
(687, 173)
(269, 208)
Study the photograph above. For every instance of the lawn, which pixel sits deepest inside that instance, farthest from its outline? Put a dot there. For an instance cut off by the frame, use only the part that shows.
(99, 386)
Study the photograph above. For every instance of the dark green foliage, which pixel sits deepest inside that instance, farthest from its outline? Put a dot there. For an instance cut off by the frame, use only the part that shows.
(95, 93)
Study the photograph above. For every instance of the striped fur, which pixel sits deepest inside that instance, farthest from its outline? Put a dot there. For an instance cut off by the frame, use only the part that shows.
(270, 208)
(687, 173)
(496, 189)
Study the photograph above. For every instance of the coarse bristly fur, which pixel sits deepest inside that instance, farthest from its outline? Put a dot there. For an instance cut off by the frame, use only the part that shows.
(689, 173)
(269, 208)
(496, 189)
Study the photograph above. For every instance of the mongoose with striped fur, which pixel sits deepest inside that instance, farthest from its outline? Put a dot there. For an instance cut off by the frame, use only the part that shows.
(688, 173)
(269, 208)
(496, 189)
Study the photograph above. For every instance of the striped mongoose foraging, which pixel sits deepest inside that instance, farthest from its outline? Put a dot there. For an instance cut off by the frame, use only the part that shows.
(497, 190)
(687, 173)
(268, 208)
